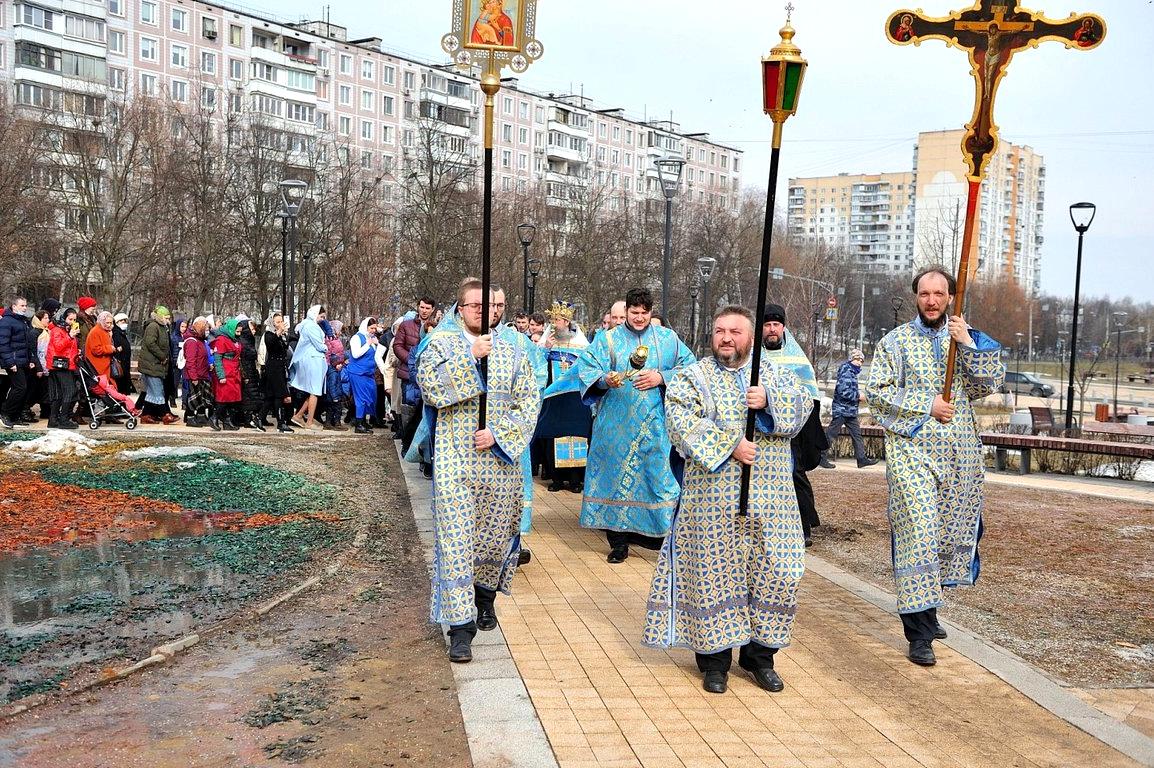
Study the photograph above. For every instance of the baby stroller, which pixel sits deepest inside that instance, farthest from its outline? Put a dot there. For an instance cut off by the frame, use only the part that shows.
(101, 405)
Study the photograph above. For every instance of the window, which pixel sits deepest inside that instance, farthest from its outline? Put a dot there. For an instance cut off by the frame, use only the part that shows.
(148, 11)
(540, 115)
(600, 130)
(178, 89)
(117, 79)
(148, 49)
(367, 129)
(508, 105)
(208, 27)
(208, 62)
(235, 69)
(301, 113)
(346, 64)
(84, 27)
(410, 80)
(179, 20)
(628, 137)
(38, 57)
(235, 35)
(524, 109)
(522, 161)
(345, 125)
(36, 17)
(208, 97)
(506, 158)
(410, 110)
(263, 71)
(617, 133)
(388, 75)
(115, 42)
(461, 91)
(323, 58)
(507, 133)
(367, 100)
(345, 95)
(267, 105)
(386, 134)
(366, 159)
(234, 104)
(148, 84)
(116, 7)
(84, 67)
(523, 135)
(366, 70)
(179, 55)
(387, 105)
(301, 81)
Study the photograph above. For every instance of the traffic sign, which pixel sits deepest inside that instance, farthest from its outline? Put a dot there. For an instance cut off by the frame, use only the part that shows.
(832, 303)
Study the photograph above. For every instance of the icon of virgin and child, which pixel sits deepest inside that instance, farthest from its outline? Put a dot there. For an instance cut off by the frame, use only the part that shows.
(493, 25)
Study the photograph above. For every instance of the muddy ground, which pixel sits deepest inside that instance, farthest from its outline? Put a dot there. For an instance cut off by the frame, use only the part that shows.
(349, 673)
(1067, 581)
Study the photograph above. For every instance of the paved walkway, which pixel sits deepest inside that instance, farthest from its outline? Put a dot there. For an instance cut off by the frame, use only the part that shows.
(564, 681)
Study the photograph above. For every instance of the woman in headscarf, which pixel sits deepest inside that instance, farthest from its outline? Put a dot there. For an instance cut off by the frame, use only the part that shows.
(366, 357)
(273, 360)
(173, 388)
(227, 389)
(123, 344)
(252, 395)
(309, 364)
(98, 348)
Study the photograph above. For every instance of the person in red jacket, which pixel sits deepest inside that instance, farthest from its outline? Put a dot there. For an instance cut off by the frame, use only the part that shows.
(198, 374)
(61, 358)
(227, 388)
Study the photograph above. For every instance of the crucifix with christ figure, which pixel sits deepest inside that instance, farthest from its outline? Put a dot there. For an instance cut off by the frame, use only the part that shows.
(991, 32)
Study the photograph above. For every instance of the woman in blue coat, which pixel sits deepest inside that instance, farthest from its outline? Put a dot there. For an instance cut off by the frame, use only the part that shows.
(310, 365)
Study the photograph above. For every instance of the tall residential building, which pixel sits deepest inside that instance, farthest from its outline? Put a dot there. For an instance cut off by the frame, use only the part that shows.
(311, 80)
(1009, 240)
(869, 215)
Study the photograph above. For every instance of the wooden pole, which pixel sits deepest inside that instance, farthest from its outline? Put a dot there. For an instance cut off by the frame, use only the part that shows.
(963, 275)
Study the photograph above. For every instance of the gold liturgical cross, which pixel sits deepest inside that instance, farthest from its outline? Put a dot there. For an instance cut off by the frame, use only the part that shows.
(991, 33)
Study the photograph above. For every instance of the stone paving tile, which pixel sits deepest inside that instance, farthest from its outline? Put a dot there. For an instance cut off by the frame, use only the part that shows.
(851, 700)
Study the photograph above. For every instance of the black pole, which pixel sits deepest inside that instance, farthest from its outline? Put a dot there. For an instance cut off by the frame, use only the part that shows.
(295, 315)
(525, 263)
(762, 291)
(532, 296)
(1117, 363)
(486, 265)
(283, 263)
(705, 315)
(666, 259)
(1074, 340)
(693, 319)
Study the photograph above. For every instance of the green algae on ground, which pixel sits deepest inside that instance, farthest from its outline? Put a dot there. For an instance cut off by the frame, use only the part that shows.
(214, 484)
(271, 548)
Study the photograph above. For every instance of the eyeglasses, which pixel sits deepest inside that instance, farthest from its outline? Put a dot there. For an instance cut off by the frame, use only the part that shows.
(476, 306)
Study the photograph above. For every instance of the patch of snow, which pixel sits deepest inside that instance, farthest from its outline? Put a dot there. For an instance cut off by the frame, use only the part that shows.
(162, 451)
(1144, 473)
(53, 443)
(218, 461)
(1135, 530)
(185, 464)
(1137, 653)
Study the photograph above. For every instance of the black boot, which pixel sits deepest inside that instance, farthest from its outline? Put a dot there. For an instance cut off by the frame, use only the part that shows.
(360, 428)
(214, 423)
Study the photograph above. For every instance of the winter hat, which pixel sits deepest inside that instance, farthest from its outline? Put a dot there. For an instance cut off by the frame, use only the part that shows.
(774, 312)
(161, 311)
(85, 303)
(120, 316)
(856, 354)
(51, 306)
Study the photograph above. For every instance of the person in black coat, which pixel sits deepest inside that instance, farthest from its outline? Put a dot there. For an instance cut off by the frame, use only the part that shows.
(252, 391)
(274, 358)
(18, 357)
(123, 354)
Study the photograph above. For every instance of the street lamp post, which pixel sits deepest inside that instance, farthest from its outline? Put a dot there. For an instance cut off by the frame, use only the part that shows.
(669, 173)
(1082, 216)
(1119, 323)
(693, 315)
(534, 268)
(705, 266)
(896, 302)
(284, 229)
(525, 234)
(1017, 364)
(292, 194)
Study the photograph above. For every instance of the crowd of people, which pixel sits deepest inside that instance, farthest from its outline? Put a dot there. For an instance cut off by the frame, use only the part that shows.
(652, 439)
(655, 442)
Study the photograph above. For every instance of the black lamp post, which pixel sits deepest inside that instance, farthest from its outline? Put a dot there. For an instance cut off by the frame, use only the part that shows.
(1017, 364)
(705, 266)
(525, 234)
(693, 315)
(284, 233)
(292, 194)
(1082, 216)
(1119, 323)
(669, 173)
(533, 266)
(896, 302)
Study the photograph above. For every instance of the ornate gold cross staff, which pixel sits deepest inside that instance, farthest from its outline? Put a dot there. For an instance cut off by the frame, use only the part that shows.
(991, 32)
(492, 34)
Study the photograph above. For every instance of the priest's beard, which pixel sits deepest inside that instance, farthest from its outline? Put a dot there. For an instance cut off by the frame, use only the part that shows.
(772, 345)
(732, 356)
(933, 324)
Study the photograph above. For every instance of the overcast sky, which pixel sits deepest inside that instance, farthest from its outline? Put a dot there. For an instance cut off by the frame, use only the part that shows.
(1089, 113)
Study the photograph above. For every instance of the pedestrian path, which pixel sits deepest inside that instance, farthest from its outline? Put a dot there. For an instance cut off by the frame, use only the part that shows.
(851, 698)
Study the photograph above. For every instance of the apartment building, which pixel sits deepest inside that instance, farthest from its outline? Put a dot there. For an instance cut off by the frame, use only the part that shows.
(312, 80)
(869, 215)
(1009, 238)
(899, 221)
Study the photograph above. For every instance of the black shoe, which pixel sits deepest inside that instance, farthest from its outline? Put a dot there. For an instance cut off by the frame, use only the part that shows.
(292, 423)
(940, 632)
(68, 425)
(866, 463)
(618, 554)
(768, 679)
(229, 426)
(214, 424)
(427, 470)
(361, 429)
(460, 648)
(524, 557)
(255, 424)
(826, 463)
(808, 541)
(577, 487)
(922, 652)
(7, 422)
(486, 619)
(716, 682)
(264, 422)
(555, 486)
(283, 427)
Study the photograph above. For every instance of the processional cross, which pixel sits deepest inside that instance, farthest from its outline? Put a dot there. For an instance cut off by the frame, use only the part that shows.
(991, 32)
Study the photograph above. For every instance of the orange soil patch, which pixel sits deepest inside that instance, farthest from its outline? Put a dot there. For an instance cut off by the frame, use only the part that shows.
(36, 513)
(260, 520)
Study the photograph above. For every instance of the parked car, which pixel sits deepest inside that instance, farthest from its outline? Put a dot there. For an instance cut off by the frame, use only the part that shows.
(1026, 384)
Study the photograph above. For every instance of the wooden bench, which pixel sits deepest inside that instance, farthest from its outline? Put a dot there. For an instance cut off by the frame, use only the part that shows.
(1024, 444)
(1041, 419)
(1119, 429)
(1145, 378)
